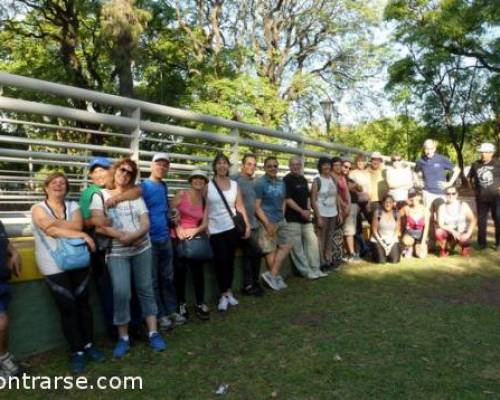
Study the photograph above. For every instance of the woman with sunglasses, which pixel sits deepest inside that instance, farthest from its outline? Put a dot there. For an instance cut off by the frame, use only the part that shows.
(456, 222)
(399, 180)
(57, 218)
(130, 254)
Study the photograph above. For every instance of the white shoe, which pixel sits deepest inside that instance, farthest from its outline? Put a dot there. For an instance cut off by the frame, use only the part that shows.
(165, 323)
(223, 303)
(312, 275)
(280, 282)
(232, 300)
(321, 274)
(270, 280)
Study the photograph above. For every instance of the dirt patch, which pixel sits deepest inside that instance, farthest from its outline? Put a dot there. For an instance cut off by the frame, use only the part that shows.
(487, 294)
(308, 319)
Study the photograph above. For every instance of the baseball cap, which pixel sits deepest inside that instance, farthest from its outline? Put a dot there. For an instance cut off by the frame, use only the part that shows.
(198, 173)
(161, 156)
(486, 148)
(99, 162)
(376, 155)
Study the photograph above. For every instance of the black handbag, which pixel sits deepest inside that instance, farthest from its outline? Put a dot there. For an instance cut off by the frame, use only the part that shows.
(239, 222)
(196, 248)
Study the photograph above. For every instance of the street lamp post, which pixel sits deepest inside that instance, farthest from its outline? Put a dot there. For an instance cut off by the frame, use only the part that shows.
(327, 107)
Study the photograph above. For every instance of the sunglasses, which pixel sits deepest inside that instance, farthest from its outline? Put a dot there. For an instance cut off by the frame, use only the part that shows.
(125, 171)
(396, 159)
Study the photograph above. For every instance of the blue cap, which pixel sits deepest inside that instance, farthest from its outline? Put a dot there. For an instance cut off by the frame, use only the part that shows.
(99, 162)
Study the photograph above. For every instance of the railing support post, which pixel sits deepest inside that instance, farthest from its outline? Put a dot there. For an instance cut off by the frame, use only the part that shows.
(235, 151)
(135, 135)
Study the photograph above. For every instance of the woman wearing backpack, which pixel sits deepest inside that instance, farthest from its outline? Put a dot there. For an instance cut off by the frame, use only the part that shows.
(385, 230)
(130, 255)
(54, 220)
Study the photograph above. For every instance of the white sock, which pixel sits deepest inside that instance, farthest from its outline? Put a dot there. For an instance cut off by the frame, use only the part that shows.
(152, 333)
(87, 346)
(124, 337)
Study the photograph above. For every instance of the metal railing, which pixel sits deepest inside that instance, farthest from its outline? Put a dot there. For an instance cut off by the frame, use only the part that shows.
(37, 136)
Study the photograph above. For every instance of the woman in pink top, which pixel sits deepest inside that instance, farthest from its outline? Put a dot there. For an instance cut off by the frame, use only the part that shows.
(416, 222)
(190, 206)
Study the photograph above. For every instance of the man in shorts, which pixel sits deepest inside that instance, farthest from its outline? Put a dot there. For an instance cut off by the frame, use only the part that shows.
(10, 263)
(273, 235)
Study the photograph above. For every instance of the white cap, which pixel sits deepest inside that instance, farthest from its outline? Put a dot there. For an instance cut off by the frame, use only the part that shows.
(378, 155)
(198, 173)
(161, 156)
(486, 148)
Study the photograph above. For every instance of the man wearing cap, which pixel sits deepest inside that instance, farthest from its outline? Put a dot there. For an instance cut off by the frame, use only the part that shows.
(99, 173)
(432, 168)
(155, 194)
(485, 178)
(378, 185)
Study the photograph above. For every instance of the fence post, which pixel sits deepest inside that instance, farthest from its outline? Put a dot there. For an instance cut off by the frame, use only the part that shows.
(136, 135)
(235, 151)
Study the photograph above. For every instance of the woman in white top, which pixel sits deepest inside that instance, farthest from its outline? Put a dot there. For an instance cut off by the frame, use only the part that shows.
(57, 218)
(223, 237)
(399, 180)
(456, 221)
(324, 200)
(130, 254)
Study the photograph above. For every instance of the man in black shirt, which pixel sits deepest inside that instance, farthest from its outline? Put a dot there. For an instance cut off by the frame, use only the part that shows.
(485, 177)
(305, 251)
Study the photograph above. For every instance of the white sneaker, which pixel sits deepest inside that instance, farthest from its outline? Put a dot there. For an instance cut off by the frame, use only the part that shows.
(223, 303)
(8, 367)
(177, 319)
(321, 274)
(312, 275)
(232, 300)
(270, 280)
(165, 324)
(280, 282)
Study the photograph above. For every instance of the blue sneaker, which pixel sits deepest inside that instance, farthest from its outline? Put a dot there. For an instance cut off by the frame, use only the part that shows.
(157, 342)
(77, 363)
(94, 354)
(122, 347)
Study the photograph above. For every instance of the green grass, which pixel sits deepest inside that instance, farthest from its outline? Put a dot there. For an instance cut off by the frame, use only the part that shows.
(425, 329)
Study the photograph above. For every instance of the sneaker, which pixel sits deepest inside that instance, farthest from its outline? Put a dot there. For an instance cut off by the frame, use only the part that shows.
(270, 280)
(122, 347)
(465, 251)
(248, 291)
(177, 319)
(202, 312)
(156, 342)
(183, 311)
(347, 259)
(165, 324)
(232, 300)
(321, 274)
(77, 363)
(8, 366)
(312, 275)
(281, 282)
(94, 354)
(223, 303)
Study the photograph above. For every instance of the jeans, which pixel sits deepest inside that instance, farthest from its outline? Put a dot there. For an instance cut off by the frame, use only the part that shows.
(163, 277)
(120, 270)
(305, 250)
(483, 209)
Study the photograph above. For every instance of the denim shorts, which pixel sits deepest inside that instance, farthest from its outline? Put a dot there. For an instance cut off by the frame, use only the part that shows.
(5, 297)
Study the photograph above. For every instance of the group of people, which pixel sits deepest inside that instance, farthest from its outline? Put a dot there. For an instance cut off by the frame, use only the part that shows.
(142, 244)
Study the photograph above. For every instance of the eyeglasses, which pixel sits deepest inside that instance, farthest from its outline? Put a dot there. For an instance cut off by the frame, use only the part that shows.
(125, 171)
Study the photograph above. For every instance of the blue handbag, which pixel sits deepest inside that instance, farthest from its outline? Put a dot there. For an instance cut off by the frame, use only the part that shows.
(197, 248)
